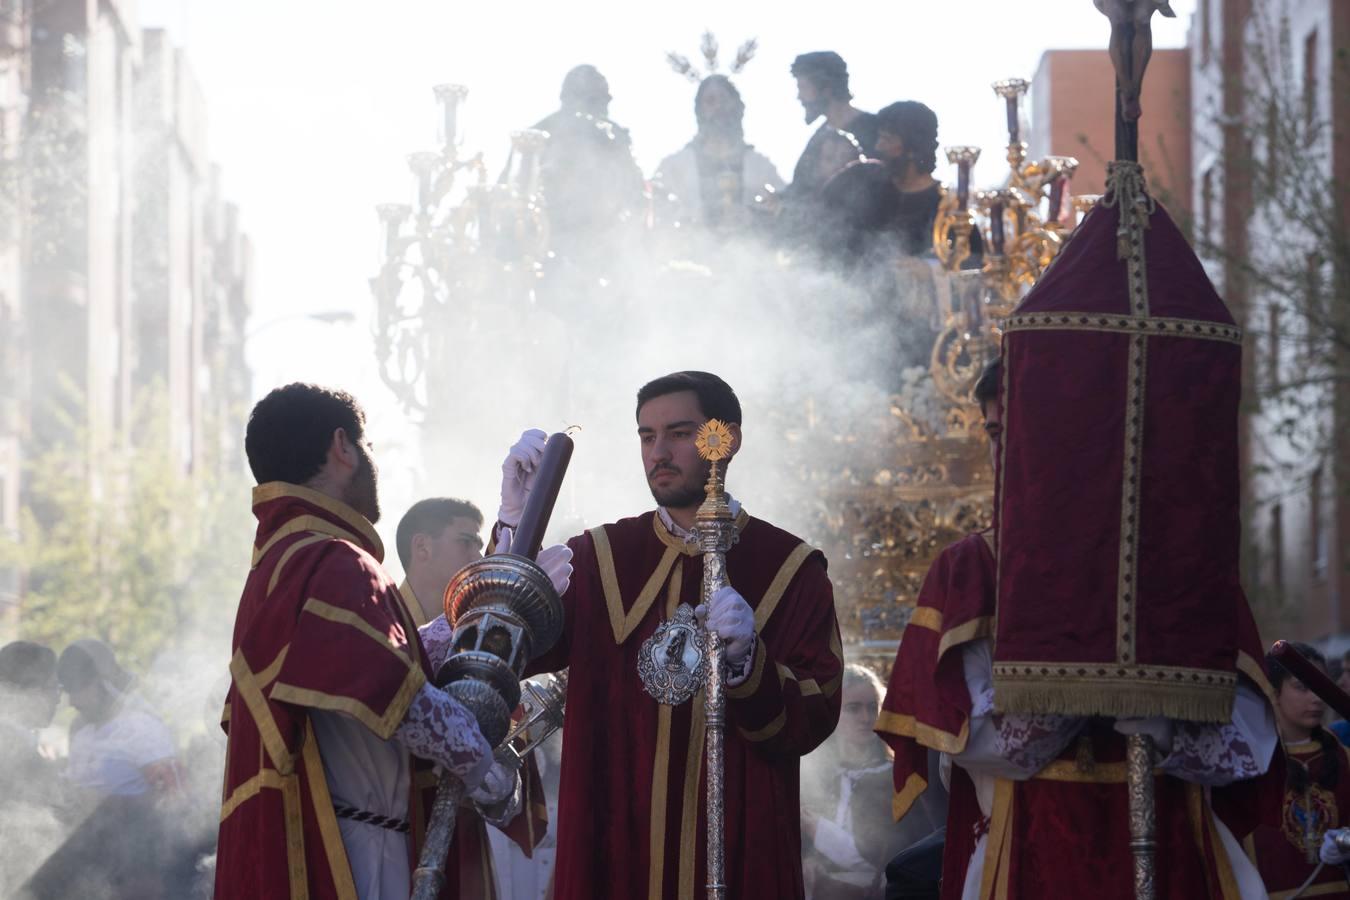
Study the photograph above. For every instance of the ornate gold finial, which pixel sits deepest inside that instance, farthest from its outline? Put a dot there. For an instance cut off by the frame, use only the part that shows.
(714, 443)
(713, 440)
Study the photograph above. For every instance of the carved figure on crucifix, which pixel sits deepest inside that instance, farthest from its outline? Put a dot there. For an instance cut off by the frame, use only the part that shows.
(1131, 45)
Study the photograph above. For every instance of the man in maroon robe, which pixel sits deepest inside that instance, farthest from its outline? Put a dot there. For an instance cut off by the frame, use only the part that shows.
(332, 723)
(631, 804)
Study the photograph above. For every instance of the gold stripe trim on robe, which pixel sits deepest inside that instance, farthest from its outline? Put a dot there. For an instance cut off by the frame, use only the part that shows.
(748, 687)
(249, 690)
(329, 833)
(274, 490)
(269, 674)
(927, 617)
(768, 731)
(325, 610)
(807, 686)
(286, 557)
(301, 525)
(998, 845)
(830, 687)
(903, 725)
(903, 799)
(409, 598)
(293, 818)
(690, 548)
(403, 611)
(267, 778)
(973, 630)
(780, 584)
(381, 726)
(1202, 821)
(623, 624)
(693, 772)
(656, 843)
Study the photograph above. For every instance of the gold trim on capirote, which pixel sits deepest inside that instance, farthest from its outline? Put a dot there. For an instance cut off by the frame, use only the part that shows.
(286, 556)
(274, 490)
(329, 833)
(621, 623)
(781, 581)
(1155, 326)
(1128, 551)
(300, 525)
(251, 692)
(381, 726)
(927, 617)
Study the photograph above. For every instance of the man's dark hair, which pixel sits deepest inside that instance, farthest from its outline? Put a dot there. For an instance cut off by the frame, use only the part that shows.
(716, 399)
(827, 70)
(917, 126)
(986, 389)
(24, 664)
(582, 86)
(290, 430)
(1297, 777)
(431, 516)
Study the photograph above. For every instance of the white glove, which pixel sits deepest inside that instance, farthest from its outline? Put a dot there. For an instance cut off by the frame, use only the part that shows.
(1331, 852)
(517, 474)
(731, 617)
(1157, 727)
(556, 561)
(497, 785)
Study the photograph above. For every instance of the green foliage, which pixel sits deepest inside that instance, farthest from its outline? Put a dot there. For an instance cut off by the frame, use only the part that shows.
(123, 544)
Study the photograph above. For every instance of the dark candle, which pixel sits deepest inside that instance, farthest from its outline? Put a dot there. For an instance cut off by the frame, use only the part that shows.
(996, 227)
(1056, 198)
(539, 507)
(1014, 126)
(962, 184)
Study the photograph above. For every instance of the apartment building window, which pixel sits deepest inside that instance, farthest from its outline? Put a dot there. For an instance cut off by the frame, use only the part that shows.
(1317, 532)
(1310, 78)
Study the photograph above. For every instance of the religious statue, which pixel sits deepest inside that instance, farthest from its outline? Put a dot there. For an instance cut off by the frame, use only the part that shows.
(1131, 46)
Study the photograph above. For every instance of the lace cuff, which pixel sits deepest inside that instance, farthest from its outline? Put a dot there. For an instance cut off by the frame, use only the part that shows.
(736, 675)
(1210, 754)
(1029, 742)
(438, 728)
(435, 637)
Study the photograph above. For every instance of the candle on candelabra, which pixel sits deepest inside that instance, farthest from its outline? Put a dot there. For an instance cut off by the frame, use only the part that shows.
(421, 165)
(1011, 90)
(996, 239)
(1056, 198)
(449, 96)
(964, 159)
(392, 216)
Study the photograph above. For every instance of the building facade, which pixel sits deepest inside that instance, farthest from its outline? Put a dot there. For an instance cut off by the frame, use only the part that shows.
(123, 269)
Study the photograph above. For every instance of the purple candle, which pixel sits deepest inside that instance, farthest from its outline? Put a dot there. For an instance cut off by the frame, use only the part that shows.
(1056, 198)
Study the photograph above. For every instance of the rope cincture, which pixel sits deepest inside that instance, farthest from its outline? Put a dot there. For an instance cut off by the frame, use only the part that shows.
(402, 826)
(1126, 188)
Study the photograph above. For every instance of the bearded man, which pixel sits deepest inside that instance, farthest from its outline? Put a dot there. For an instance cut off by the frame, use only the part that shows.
(631, 816)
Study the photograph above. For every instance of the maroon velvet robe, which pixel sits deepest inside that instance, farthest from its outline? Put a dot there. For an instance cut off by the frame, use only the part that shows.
(320, 625)
(631, 799)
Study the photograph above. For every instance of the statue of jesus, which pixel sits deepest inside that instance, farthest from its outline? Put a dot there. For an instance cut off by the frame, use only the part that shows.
(1130, 51)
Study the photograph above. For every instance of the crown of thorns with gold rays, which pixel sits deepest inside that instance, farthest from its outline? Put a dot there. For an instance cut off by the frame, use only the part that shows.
(709, 48)
(713, 440)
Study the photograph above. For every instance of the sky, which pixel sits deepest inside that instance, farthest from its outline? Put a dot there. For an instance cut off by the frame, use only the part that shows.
(312, 108)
